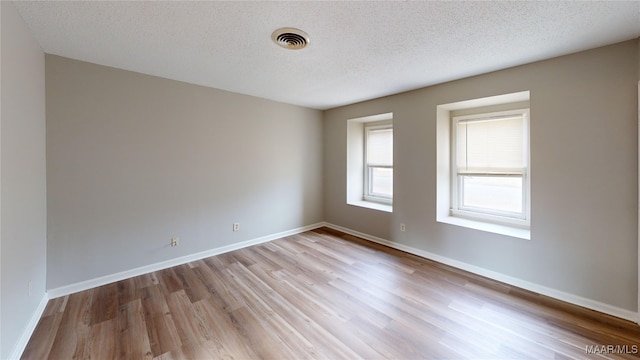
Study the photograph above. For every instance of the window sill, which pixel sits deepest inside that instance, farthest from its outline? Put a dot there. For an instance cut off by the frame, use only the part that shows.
(488, 227)
(372, 205)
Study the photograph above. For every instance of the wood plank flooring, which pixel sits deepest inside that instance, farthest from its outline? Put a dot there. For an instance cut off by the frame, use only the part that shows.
(322, 295)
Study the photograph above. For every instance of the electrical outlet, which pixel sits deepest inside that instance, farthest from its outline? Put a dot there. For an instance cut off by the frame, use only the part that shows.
(402, 227)
(175, 241)
(236, 226)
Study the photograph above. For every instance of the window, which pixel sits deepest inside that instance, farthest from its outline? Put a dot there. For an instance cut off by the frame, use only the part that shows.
(370, 162)
(378, 169)
(483, 172)
(489, 164)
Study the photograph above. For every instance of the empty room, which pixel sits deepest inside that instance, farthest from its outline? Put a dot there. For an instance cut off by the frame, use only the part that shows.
(319, 180)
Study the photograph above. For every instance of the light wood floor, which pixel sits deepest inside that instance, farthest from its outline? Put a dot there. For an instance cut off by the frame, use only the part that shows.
(321, 295)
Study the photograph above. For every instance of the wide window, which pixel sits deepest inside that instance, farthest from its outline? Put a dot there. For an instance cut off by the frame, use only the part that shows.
(490, 177)
(378, 177)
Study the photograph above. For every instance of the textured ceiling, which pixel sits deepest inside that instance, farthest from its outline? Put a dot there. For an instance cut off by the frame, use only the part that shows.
(358, 50)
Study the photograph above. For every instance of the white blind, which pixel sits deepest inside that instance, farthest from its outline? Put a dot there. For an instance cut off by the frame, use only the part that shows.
(491, 145)
(380, 147)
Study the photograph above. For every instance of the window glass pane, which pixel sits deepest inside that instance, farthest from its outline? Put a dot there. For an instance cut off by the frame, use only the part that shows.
(492, 193)
(380, 146)
(381, 181)
(490, 144)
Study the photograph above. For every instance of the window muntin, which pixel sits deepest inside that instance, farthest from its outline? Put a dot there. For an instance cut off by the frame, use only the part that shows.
(378, 177)
(490, 179)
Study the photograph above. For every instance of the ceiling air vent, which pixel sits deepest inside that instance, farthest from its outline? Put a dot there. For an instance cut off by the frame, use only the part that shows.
(290, 38)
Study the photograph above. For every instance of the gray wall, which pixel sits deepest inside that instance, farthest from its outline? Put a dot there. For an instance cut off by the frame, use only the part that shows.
(584, 163)
(134, 160)
(22, 190)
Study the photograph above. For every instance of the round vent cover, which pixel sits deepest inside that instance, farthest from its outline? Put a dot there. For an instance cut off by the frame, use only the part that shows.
(290, 38)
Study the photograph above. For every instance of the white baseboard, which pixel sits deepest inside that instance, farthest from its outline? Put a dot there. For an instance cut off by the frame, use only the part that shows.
(89, 284)
(543, 290)
(18, 349)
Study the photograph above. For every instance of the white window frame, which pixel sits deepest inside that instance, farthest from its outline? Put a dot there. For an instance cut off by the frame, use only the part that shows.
(444, 113)
(368, 194)
(493, 216)
(355, 161)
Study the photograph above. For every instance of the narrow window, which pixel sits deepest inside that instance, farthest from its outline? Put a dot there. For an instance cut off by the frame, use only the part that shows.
(378, 169)
(490, 173)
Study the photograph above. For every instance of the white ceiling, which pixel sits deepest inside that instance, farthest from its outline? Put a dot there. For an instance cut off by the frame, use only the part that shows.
(358, 50)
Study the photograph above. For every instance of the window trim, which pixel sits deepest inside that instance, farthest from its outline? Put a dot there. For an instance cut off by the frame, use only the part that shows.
(355, 164)
(367, 194)
(508, 101)
(456, 190)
